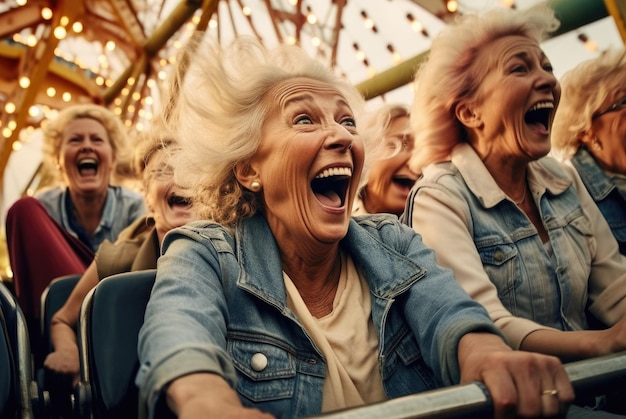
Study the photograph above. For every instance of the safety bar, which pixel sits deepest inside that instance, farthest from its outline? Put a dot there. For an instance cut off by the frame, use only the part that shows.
(589, 377)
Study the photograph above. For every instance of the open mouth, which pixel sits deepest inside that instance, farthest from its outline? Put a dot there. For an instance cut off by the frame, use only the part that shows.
(403, 182)
(87, 166)
(538, 116)
(330, 186)
(178, 201)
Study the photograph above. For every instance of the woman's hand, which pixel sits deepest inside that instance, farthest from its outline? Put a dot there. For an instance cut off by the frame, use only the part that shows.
(64, 360)
(521, 383)
(199, 396)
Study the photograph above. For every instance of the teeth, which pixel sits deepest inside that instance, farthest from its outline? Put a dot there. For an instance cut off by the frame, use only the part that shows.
(542, 105)
(87, 161)
(335, 171)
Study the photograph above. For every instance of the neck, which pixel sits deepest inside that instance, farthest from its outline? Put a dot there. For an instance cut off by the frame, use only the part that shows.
(317, 284)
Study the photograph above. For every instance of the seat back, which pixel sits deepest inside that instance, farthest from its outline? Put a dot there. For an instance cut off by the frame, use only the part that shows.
(111, 316)
(52, 299)
(27, 395)
(8, 377)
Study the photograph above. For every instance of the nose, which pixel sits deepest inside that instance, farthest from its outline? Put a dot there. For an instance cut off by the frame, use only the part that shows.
(339, 138)
(546, 80)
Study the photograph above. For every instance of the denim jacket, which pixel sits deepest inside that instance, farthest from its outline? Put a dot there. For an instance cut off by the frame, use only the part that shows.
(122, 207)
(610, 200)
(498, 257)
(219, 302)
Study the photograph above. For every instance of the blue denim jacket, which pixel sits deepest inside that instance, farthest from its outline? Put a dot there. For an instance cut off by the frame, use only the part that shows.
(499, 258)
(122, 207)
(219, 299)
(610, 200)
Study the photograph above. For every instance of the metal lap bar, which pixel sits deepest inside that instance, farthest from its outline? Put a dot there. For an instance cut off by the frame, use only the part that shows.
(589, 377)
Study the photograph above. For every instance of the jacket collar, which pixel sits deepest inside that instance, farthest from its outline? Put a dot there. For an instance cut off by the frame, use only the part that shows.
(597, 182)
(262, 274)
(543, 175)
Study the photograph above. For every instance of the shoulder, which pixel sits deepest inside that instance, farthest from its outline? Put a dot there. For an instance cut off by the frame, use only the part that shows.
(202, 231)
(555, 167)
(381, 226)
(138, 230)
(49, 194)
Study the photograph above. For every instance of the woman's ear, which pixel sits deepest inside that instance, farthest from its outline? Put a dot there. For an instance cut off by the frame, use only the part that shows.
(587, 138)
(246, 174)
(467, 116)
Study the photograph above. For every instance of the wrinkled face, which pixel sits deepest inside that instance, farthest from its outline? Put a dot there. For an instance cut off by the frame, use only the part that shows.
(609, 128)
(168, 202)
(390, 179)
(516, 100)
(309, 163)
(86, 156)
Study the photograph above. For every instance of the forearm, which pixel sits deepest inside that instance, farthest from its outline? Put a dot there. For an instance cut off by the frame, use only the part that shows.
(569, 346)
(62, 335)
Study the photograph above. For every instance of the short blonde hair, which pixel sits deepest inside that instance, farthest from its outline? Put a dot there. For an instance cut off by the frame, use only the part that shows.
(53, 133)
(451, 74)
(584, 90)
(220, 112)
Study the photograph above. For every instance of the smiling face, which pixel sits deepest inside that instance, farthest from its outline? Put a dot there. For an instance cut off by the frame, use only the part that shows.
(86, 157)
(309, 162)
(390, 179)
(514, 109)
(168, 202)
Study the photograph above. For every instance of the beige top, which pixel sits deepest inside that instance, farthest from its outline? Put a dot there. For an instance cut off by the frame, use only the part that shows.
(347, 339)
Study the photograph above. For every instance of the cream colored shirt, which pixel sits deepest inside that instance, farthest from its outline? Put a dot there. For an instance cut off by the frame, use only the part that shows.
(347, 339)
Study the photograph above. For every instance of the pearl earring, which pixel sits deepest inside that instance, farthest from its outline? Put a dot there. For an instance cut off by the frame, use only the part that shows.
(255, 185)
(597, 145)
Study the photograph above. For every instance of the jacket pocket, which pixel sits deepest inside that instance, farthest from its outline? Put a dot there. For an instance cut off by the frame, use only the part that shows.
(265, 371)
(499, 262)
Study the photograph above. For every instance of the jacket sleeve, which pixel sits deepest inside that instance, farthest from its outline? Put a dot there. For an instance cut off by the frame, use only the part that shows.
(185, 321)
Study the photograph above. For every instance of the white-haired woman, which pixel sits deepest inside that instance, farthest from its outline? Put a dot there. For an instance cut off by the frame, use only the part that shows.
(284, 305)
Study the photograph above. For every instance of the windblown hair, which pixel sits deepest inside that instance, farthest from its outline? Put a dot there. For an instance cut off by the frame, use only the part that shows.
(219, 115)
(373, 130)
(584, 91)
(149, 142)
(452, 74)
(53, 133)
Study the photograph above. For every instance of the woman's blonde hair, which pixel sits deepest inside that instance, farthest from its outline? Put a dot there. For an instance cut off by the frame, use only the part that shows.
(452, 74)
(220, 112)
(584, 91)
(53, 134)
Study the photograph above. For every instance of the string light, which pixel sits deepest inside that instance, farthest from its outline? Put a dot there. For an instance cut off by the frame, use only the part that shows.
(452, 6)
(368, 22)
(589, 44)
(416, 25)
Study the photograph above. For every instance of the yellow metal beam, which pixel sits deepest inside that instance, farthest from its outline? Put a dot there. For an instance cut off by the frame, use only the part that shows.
(183, 11)
(617, 9)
